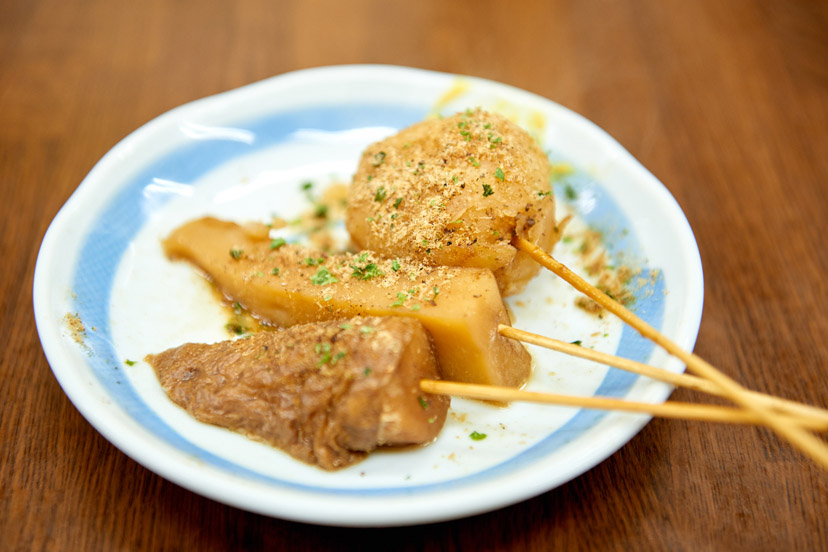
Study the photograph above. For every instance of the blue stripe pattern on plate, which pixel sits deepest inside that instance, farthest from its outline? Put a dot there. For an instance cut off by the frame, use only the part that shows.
(121, 220)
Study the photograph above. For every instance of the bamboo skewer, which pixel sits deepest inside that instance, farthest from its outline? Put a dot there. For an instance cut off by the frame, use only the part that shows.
(806, 442)
(676, 410)
(793, 408)
(683, 380)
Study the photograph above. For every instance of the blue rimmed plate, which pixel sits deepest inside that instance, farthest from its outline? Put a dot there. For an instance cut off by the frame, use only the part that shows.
(243, 155)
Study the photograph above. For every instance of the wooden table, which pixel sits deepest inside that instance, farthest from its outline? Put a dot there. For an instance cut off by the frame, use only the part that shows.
(725, 102)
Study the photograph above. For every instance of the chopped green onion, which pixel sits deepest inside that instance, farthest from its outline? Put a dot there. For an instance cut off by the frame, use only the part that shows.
(322, 277)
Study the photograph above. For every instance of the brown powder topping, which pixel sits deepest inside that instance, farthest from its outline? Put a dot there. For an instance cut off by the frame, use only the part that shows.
(76, 327)
(612, 280)
(454, 192)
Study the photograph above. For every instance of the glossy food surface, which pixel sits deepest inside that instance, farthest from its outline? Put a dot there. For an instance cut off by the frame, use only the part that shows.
(454, 191)
(287, 285)
(326, 393)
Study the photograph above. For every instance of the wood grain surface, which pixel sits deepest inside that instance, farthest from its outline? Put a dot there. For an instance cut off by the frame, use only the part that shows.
(726, 102)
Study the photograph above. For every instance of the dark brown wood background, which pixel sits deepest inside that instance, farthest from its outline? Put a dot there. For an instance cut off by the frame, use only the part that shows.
(725, 101)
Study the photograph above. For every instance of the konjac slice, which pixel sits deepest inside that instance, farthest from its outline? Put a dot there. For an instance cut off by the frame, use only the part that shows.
(287, 284)
(326, 393)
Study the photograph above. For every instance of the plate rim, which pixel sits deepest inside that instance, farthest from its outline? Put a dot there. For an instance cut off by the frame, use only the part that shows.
(42, 294)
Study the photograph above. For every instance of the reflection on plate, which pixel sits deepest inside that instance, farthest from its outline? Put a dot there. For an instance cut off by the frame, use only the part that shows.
(243, 155)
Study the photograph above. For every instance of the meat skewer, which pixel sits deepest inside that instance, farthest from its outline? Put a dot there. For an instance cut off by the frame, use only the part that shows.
(326, 393)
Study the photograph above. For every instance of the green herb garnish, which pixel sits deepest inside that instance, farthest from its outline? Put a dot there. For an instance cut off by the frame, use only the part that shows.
(477, 436)
(306, 187)
(324, 352)
(499, 174)
(277, 243)
(236, 253)
(379, 159)
(487, 190)
(401, 297)
(366, 272)
(380, 195)
(323, 277)
(237, 329)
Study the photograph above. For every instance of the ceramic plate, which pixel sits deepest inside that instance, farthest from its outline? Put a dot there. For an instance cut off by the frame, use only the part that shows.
(105, 296)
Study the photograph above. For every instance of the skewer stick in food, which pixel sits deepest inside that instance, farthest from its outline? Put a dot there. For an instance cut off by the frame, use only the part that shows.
(471, 190)
(796, 409)
(677, 410)
(284, 284)
(451, 192)
(785, 427)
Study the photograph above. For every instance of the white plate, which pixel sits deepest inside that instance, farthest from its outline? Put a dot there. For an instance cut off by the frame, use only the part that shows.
(242, 155)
